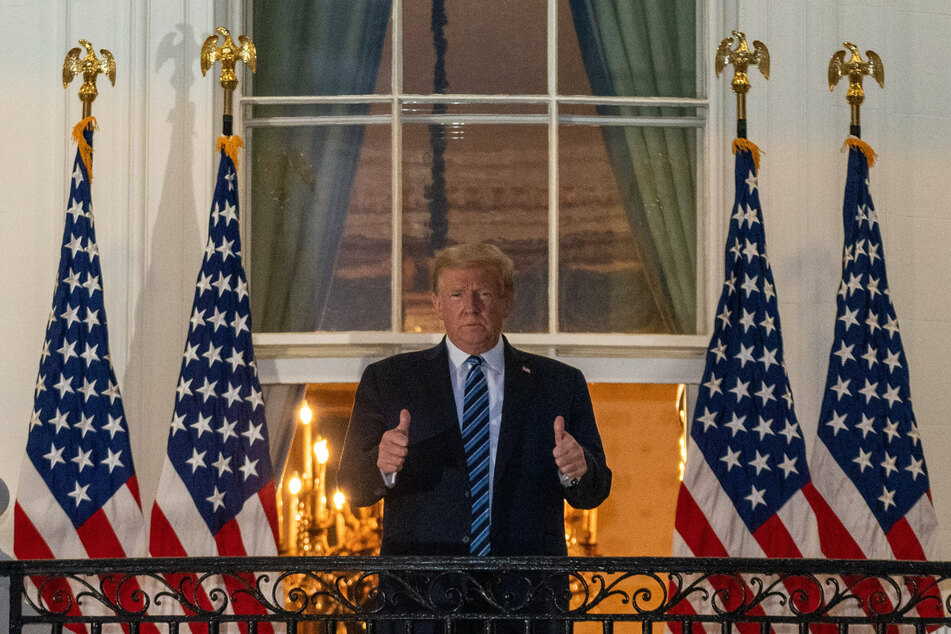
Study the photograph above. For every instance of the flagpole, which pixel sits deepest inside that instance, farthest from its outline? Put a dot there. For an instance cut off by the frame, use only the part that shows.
(89, 66)
(855, 69)
(229, 54)
(741, 58)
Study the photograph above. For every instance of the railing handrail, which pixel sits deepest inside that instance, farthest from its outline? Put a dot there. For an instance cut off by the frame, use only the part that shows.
(872, 567)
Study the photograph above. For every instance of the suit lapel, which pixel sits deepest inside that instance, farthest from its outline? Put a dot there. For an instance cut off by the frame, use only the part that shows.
(516, 398)
(444, 403)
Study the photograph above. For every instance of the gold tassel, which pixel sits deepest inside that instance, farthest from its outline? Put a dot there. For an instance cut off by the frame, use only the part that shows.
(231, 145)
(865, 148)
(745, 145)
(85, 150)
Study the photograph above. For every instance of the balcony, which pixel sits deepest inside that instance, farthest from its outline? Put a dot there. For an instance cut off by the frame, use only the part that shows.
(356, 594)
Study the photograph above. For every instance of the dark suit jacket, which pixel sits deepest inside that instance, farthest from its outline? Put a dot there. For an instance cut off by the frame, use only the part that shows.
(427, 512)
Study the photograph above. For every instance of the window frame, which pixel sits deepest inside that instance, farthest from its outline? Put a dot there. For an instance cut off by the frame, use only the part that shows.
(302, 357)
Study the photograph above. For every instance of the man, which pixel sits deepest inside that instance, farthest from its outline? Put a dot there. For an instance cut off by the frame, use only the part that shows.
(473, 444)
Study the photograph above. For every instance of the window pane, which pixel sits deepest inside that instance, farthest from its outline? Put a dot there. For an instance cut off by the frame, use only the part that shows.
(496, 190)
(491, 46)
(321, 228)
(322, 47)
(639, 48)
(627, 229)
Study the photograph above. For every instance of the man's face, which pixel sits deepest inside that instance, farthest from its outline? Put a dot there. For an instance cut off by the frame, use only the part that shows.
(472, 306)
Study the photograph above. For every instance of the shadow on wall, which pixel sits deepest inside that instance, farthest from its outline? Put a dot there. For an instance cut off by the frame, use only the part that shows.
(161, 313)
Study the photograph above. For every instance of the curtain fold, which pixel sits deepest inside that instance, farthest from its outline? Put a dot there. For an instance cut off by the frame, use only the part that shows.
(302, 176)
(646, 48)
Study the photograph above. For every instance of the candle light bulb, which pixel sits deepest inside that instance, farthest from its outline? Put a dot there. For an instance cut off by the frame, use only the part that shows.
(321, 451)
(306, 414)
(339, 499)
(294, 485)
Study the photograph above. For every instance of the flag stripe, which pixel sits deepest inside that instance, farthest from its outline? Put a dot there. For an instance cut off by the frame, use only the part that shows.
(47, 519)
(694, 530)
(228, 540)
(267, 498)
(829, 526)
(160, 525)
(173, 548)
(97, 536)
(848, 508)
(923, 524)
(184, 524)
(133, 484)
(28, 539)
(123, 510)
(801, 527)
(775, 540)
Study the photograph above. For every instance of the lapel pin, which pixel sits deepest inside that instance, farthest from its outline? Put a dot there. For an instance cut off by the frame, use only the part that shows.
(526, 370)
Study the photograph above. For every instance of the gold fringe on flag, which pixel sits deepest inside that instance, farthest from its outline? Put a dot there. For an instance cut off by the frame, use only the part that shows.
(865, 148)
(231, 145)
(85, 150)
(745, 145)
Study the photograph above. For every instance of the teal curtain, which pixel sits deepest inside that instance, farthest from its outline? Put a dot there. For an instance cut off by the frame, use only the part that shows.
(647, 48)
(302, 176)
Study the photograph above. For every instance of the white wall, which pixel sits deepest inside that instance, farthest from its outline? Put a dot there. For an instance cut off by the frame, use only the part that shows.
(801, 126)
(154, 166)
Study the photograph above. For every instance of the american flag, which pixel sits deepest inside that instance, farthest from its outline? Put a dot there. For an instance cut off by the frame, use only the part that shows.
(216, 493)
(746, 480)
(868, 461)
(78, 496)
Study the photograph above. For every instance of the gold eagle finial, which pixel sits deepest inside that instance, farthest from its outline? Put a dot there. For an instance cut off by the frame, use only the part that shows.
(90, 66)
(741, 57)
(228, 53)
(855, 69)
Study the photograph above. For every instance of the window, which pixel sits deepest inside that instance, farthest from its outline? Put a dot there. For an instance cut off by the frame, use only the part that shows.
(568, 132)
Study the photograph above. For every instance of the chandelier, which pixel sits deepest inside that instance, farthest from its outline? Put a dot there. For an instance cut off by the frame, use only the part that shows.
(315, 521)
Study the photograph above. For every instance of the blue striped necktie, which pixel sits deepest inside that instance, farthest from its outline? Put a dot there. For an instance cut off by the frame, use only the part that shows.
(475, 437)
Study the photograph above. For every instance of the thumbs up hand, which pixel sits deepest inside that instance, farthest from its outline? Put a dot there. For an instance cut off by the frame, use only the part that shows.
(393, 446)
(569, 456)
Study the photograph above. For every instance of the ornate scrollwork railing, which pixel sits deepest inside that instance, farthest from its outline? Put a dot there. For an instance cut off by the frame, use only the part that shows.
(353, 594)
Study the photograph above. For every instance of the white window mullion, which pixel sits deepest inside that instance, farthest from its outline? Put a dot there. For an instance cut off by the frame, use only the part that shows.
(552, 166)
(396, 171)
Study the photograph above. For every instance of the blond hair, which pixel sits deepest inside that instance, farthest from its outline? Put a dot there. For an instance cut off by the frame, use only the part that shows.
(476, 256)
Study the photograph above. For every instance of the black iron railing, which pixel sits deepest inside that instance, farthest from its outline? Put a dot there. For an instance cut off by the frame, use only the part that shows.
(324, 594)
